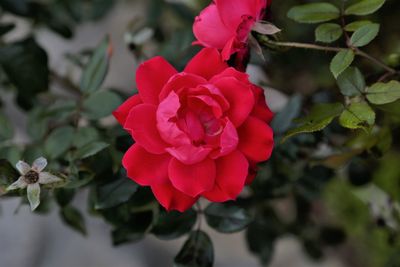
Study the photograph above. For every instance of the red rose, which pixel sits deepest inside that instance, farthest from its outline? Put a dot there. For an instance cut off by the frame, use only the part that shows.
(226, 24)
(197, 132)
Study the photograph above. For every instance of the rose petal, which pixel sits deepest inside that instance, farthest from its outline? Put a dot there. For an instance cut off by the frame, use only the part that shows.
(192, 179)
(122, 112)
(232, 171)
(261, 110)
(189, 154)
(232, 11)
(22, 167)
(255, 139)
(180, 81)
(145, 168)
(172, 199)
(228, 141)
(239, 96)
(39, 164)
(141, 123)
(151, 77)
(207, 63)
(232, 72)
(209, 29)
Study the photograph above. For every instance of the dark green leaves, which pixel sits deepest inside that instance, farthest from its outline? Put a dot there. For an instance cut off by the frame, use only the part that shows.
(197, 251)
(95, 71)
(8, 174)
(328, 32)
(364, 35)
(314, 13)
(6, 128)
(357, 115)
(59, 141)
(226, 218)
(101, 104)
(73, 218)
(25, 64)
(115, 193)
(383, 93)
(171, 225)
(341, 62)
(364, 7)
(90, 149)
(352, 27)
(320, 116)
(351, 82)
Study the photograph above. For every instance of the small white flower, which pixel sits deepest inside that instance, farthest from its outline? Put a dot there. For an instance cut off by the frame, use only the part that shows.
(31, 178)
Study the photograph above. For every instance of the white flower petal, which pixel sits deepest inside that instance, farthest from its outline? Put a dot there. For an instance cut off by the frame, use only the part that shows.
(39, 164)
(19, 184)
(34, 195)
(48, 178)
(22, 167)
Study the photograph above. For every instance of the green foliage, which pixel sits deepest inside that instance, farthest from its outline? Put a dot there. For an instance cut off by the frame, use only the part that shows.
(364, 35)
(73, 218)
(59, 141)
(352, 27)
(364, 7)
(226, 218)
(314, 13)
(197, 251)
(101, 104)
(383, 93)
(171, 225)
(351, 82)
(341, 62)
(328, 32)
(357, 115)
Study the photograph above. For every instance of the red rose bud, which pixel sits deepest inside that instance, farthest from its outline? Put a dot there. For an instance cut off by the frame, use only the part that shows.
(195, 131)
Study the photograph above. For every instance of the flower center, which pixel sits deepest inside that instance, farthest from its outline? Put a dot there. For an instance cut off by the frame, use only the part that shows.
(31, 177)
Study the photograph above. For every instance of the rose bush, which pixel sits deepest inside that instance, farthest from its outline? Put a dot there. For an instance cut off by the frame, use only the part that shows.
(198, 133)
(226, 24)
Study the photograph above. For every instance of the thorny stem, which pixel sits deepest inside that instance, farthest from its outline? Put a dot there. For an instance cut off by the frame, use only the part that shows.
(265, 41)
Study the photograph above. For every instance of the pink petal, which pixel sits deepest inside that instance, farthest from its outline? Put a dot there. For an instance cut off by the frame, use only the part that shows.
(180, 81)
(261, 110)
(232, 11)
(239, 96)
(166, 115)
(256, 139)
(207, 63)
(141, 123)
(193, 179)
(151, 77)
(145, 168)
(230, 48)
(209, 30)
(122, 112)
(189, 154)
(232, 72)
(172, 199)
(228, 141)
(232, 171)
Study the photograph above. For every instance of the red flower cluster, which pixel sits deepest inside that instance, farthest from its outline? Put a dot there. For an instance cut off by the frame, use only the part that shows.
(198, 133)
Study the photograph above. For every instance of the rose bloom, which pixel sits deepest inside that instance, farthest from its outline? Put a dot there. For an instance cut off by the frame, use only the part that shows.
(226, 24)
(198, 133)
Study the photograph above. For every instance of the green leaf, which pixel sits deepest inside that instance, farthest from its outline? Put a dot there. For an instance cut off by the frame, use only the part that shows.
(25, 64)
(226, 218)
(328, 32)
(171, 225)
(59, 141)
(320, 116)
(90, 149)
(73, 218)
(115, 193)
(364, 35)
(101, 104)
(314, 13)
(383, 93)
(96, 70)
(352, 27)
(197, 251)
(84, 136)
(357, 115)
(364, 7)
(6, 128)
(8, 174)
(351, 82)
(18, 7)
(341, 62)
